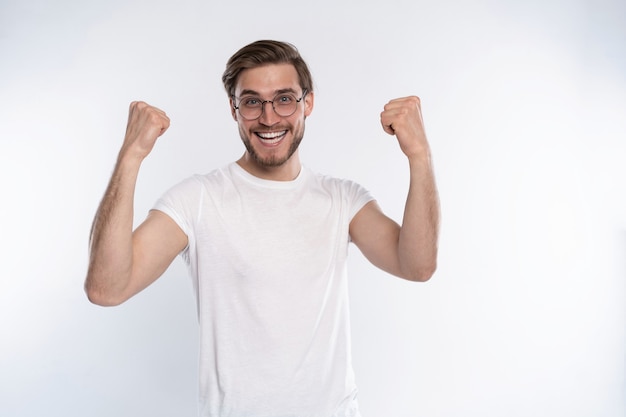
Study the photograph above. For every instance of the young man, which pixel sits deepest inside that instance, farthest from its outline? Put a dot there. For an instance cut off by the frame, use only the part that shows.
(266, 241)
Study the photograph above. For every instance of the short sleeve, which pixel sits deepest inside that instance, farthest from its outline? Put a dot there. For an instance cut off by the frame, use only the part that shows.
(181, 203)
(357, 197)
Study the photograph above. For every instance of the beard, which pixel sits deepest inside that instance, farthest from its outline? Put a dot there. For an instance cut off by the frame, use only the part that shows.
(272, 160)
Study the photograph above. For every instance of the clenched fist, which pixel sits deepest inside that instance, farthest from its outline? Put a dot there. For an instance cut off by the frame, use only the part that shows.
(145, 124)
(402, 117)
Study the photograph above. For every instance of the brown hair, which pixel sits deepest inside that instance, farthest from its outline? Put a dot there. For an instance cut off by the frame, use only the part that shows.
(261, 53)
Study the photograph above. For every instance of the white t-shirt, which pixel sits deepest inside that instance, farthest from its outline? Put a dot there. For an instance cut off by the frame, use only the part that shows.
(268, 264)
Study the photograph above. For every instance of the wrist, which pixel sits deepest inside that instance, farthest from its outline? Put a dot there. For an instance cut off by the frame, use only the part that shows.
(419, 158)
(129, 157)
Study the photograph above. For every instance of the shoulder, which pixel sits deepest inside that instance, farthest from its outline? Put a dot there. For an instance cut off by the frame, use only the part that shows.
(348, 193)
(198, 182)
(333, 183)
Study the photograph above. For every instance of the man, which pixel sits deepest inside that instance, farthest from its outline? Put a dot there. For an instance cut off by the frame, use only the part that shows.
(266, 241)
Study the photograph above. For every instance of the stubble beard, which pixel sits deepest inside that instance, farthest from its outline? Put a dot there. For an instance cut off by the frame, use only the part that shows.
(272, 161)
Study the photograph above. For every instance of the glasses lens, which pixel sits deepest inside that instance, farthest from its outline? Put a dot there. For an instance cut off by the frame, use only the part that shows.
(285, 104)
(250, 107)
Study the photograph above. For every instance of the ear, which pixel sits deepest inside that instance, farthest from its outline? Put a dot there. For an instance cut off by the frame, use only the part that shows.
(233, 111)
(309, 100)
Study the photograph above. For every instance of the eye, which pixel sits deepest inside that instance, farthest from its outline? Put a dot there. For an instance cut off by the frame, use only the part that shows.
(284, 99)
(251, 101)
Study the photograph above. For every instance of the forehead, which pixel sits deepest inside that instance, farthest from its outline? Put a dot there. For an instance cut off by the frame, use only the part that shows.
(268, 79)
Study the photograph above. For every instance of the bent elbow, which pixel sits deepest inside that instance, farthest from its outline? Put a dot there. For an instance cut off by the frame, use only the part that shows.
(101, 301)
(427, 274)
(421, 274)
(101, 298)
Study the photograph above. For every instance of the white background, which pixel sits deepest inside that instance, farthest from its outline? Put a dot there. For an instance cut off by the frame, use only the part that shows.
(525, 107)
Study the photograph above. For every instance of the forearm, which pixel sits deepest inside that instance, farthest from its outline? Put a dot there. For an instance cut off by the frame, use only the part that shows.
(110, 246)
(417, 246)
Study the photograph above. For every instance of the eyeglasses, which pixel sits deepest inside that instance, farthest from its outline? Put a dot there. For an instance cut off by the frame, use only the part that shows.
(285, 104)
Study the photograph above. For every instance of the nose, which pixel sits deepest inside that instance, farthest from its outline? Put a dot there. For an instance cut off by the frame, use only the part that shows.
(268, 115)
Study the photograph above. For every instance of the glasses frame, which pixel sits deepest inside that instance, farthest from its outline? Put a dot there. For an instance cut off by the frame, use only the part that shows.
(298, 100)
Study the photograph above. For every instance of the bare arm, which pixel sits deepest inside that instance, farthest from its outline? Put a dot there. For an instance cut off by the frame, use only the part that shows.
(122, 263)
(408, 251)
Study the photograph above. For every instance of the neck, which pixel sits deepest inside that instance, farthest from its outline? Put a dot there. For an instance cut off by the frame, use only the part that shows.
(287, 171)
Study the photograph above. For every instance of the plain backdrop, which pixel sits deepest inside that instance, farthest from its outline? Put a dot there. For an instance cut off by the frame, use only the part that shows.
(525, 107)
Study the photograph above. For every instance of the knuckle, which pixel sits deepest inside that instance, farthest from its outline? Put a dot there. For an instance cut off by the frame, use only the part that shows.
(154, 117)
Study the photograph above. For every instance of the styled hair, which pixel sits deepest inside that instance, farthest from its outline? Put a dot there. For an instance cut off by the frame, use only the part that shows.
(264, 52)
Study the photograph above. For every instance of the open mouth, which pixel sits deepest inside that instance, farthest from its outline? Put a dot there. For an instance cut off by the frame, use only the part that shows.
(271, 138)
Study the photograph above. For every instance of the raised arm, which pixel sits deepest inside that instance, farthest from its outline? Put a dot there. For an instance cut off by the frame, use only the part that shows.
(408, 251)
(122, 263)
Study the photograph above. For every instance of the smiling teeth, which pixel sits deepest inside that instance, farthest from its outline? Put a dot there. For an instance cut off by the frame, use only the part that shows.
(271, 137)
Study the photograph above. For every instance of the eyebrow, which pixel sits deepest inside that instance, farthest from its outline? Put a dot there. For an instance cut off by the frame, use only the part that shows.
(248, 92)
